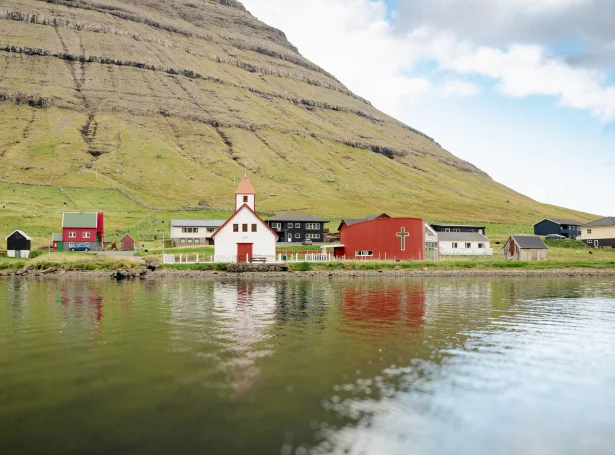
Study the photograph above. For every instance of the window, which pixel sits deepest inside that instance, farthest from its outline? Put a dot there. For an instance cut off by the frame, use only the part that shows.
(471, 230)
(182, 240)
(71, 244)
(298, 225)
(244, 228)
(297, 235)
(254, 228)
(364, 253)
(312, 236)
(589, 231)
(454, 244)
(210, 230)
(245, 199)
(235, 228)
(276, 226)
(87, 243)
(481, 245)
(86, 235)
(190, 230)
(189, 241)
(447, 229)
(197, 241)
(312, 226)
(468, 245)
(289, 225)
(72, 235)
(456, 230)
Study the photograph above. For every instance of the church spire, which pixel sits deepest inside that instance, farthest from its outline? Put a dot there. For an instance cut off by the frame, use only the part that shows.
(245, 194)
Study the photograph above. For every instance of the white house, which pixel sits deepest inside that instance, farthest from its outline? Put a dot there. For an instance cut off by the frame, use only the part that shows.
(464, 244)
(245, 237)
(193, 232)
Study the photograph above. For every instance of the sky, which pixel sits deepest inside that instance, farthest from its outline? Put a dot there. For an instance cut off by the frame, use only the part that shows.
(523, 89)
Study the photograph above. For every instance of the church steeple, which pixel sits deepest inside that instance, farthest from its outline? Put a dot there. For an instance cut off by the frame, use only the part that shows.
(245, 194)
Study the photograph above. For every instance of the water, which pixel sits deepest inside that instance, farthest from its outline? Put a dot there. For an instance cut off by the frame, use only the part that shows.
(384, 366)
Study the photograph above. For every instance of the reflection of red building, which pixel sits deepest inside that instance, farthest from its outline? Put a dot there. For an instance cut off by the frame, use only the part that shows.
(388, 239)
(392, 303)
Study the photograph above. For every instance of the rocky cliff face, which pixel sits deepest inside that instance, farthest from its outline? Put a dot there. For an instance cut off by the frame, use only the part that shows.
(169, 100)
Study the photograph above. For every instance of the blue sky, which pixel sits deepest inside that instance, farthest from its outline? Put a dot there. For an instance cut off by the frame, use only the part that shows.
(523, 89)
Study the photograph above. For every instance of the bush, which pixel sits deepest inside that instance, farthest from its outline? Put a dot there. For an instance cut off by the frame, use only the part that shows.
(35, 254)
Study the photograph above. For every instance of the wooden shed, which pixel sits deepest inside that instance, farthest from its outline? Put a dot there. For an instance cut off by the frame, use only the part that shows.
(525, 248)
(18, 245)
(127, 243)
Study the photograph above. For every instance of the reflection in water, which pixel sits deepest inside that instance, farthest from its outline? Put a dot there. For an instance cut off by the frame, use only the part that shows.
(388, 366)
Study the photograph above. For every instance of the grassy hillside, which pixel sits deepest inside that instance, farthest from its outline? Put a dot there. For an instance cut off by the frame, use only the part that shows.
(166, 102)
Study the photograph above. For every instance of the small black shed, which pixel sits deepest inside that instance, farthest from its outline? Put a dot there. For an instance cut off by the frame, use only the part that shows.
(18, 245)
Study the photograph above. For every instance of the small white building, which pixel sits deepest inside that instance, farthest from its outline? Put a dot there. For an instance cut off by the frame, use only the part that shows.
(245, 237)
(18, 245)
(525, 248)
(464, 244)
(193, 232)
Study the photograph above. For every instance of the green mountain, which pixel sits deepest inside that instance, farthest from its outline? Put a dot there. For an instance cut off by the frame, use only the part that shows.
(143, 105)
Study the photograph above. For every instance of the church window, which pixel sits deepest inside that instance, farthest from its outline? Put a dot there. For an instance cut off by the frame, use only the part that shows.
(254, 228)
(245, 199)
(235, 228)
(244, 228)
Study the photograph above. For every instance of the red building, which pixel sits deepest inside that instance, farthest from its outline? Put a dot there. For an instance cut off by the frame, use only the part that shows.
(83, 228)
(127, 243)
(384, 238)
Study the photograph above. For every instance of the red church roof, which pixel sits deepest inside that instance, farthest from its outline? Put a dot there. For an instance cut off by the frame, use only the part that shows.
(245, 187)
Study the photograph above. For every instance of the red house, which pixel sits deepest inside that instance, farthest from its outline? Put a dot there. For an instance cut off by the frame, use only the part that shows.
(384, 238)
(127, 243)
(83, 228)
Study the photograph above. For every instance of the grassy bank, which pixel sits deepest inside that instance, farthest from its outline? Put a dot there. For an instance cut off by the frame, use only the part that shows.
(70, 262)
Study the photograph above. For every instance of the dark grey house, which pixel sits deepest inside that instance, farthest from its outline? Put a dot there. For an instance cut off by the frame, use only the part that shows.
(296, 227)
(18, 245)
(568, 228)
(459, 228)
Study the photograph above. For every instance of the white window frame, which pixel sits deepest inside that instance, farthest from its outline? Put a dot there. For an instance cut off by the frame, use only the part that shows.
(481, 245)
(182, 241)
(589, 231)
(468, 245)
(71, 244)
(364, 253)
(447, 229)
(72, 235)
(297, 235)
(197, 241)
(454, 245)
(289, 225)
(86, 235)
(297, 225)
(276, 226)
(312, 226)
(312, 236)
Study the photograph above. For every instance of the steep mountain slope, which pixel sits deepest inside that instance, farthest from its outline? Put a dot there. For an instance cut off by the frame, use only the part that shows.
(167, 101)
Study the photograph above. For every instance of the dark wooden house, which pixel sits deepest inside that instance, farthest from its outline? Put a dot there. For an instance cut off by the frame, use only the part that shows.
(127, 243)
(297, 228)
(525, 248)
(18, 245)
(568, 228)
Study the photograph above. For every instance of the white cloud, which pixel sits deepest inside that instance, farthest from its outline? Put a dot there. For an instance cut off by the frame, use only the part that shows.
(459, 88)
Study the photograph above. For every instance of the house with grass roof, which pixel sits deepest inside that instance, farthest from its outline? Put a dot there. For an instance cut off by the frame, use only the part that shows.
(83, 228)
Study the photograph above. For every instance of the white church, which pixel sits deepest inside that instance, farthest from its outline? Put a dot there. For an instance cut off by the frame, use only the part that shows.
(245, 237)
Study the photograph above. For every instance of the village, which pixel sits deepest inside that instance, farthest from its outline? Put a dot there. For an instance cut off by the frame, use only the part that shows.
(245, 237)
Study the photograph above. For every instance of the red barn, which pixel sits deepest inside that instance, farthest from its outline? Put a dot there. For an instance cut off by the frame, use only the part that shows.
(386, 238)
(83, 228)
(127, 243)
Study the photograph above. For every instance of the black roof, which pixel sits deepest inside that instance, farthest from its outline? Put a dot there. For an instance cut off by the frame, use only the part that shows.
(530, 242)
(297, 217)
(351, 221)
(480, 226)
(561, 221)
(608, 221)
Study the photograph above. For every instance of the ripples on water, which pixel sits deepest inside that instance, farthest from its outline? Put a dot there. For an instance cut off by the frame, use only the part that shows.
(361, 367)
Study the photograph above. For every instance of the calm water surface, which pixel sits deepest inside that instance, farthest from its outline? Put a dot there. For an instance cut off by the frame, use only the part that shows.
(384, 366)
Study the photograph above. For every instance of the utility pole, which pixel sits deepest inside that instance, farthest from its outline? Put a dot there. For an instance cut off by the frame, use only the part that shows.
(50, 240)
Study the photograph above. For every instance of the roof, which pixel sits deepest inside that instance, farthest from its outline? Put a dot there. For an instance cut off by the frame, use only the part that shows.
(608, 221)
(245, 187)
(297, 217)
(235, 214)
(529, 242)
(351, 221)
(127, 236)
(462, 237)
(482, 226)
(56, 237)
(197, 223)
(80, 220)
(561, 221)
(26, 236)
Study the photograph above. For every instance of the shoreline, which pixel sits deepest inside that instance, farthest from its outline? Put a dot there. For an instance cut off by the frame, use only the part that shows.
(137, 274)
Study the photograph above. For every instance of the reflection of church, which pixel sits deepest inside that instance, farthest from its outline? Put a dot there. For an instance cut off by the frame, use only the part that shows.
(385, 302)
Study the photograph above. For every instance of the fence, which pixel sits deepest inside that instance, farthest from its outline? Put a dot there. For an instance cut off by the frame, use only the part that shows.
(466, 251)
